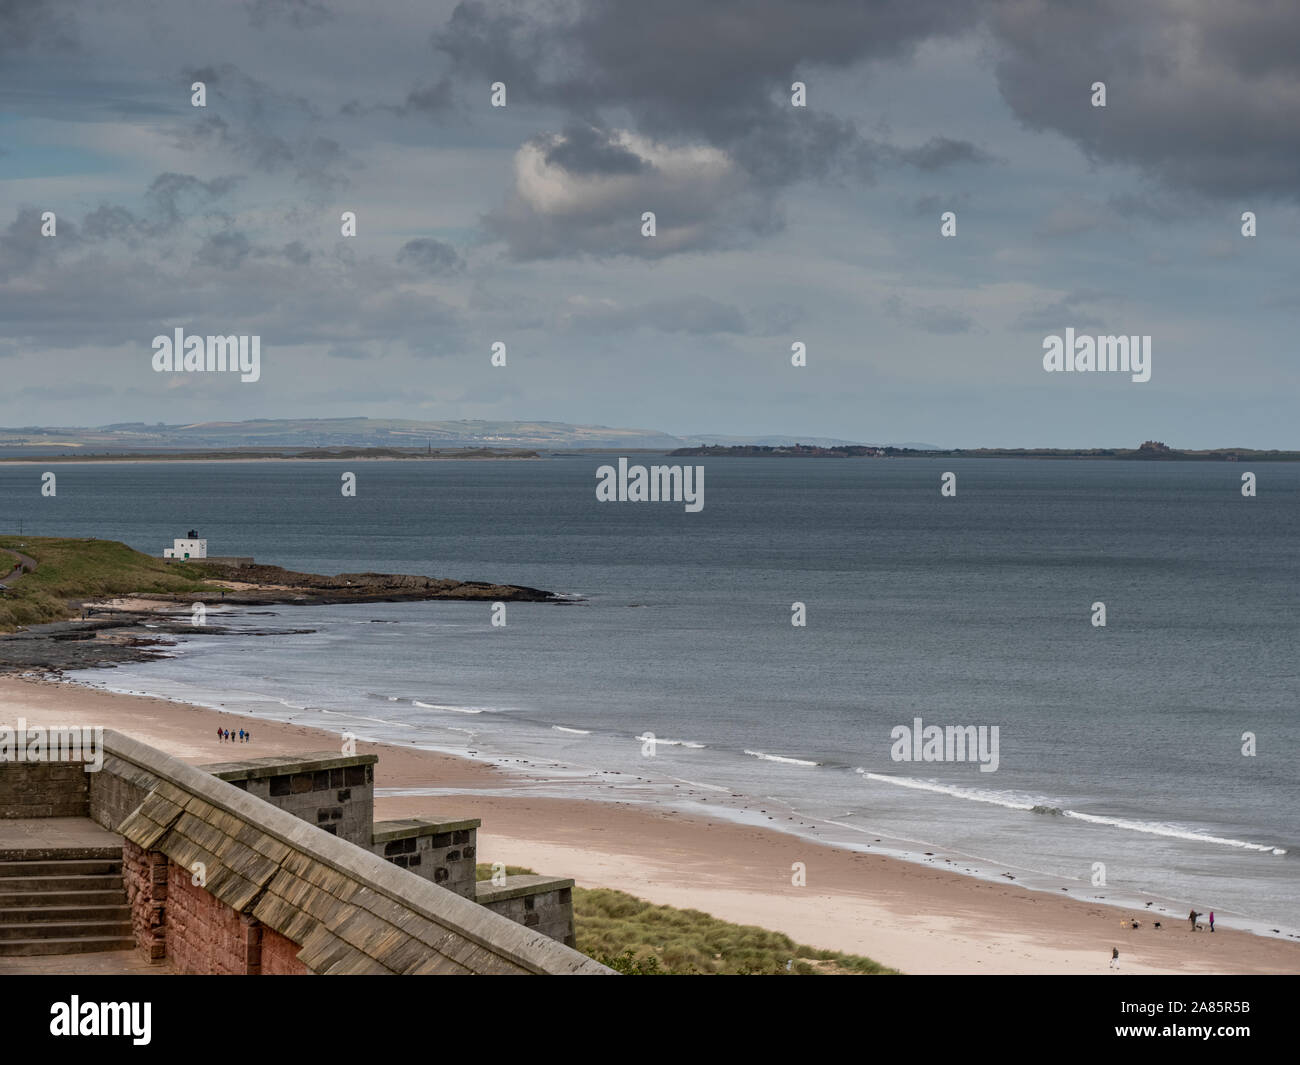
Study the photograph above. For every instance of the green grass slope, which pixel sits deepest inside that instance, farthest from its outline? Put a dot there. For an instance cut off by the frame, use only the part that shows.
(69, 570)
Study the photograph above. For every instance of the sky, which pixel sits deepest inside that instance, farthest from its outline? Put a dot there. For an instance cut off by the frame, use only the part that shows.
(774, 224)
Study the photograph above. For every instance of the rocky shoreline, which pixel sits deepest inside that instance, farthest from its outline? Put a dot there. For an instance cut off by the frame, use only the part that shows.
(269, 585)
(108, 634)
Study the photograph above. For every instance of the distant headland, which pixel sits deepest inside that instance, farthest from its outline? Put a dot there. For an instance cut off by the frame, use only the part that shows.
(73, 603)
(1151, 450)
(257, 455)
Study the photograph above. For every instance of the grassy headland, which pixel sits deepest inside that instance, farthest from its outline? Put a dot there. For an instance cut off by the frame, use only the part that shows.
(69, 570)
(67, 573)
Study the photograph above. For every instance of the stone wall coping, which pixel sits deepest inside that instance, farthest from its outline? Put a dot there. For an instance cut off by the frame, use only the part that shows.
(281, 765)
(464, 917)
(518, 886)
(404, 828)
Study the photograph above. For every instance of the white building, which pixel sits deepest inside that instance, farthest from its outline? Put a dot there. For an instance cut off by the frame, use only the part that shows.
(190, 547)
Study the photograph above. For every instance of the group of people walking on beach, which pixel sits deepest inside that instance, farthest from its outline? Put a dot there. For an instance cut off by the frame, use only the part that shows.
(242, 736)
(1192, 918)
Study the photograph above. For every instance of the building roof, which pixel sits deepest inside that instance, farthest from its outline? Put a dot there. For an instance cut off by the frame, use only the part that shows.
(351, 911)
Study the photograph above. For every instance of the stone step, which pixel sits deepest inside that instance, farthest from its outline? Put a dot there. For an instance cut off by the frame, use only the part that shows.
(10, 899)
(41, 914)
(69, 867)
(33, 930)
(27, 948)
(58, 853)
(57, 882)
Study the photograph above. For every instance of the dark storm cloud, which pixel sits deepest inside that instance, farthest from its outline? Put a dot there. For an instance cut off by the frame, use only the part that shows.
(1203, 94)
(688, 73)
(718, 72)
(680, 65)
(584, 149)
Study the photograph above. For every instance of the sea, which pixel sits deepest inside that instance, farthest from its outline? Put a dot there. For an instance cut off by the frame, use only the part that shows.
(1150, 760)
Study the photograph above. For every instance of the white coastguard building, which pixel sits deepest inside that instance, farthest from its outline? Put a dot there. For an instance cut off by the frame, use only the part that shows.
(190, 547)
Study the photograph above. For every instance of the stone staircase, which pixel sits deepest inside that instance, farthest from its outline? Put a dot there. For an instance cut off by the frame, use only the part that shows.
(63, 905)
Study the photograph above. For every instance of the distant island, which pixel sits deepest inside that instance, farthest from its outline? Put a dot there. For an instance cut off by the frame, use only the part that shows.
(1150, 450)
(253, 454)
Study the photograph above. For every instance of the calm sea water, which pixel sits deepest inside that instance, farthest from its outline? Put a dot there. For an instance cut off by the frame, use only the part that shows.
(973, 610)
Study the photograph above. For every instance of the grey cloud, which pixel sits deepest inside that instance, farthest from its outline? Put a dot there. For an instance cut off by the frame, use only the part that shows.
(128, 291)
(1201, 94)
(301, 14)
(938, 320)
(224, 251)
(268, 130)
(934, 206)
(699, 204)
(692, 73)
(940, 152)
(430, 256)
(171, 196)
(297, 253)
(584, 149)
(1080, 308)
(47, 24)
(694, 314)
(23, 247)
(687, 314)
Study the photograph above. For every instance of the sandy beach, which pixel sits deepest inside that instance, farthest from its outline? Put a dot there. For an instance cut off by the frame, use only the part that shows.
(911, 917)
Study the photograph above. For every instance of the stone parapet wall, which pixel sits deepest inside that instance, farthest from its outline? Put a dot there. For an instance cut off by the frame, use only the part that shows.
(543, 903)
(336, 793)
(268, 873)
(44, 789)
(443, 852)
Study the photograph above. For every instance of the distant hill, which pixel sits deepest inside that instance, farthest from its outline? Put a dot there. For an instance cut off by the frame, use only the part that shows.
(332, 432)
(713, 440)
(300, 433)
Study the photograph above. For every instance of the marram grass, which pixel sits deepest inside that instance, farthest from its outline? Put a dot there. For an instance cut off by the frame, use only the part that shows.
(640, 938)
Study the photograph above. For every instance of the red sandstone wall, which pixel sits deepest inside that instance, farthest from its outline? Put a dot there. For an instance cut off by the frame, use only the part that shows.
(279, 955)
(174, 918)
(204, 935)
(145, 877)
